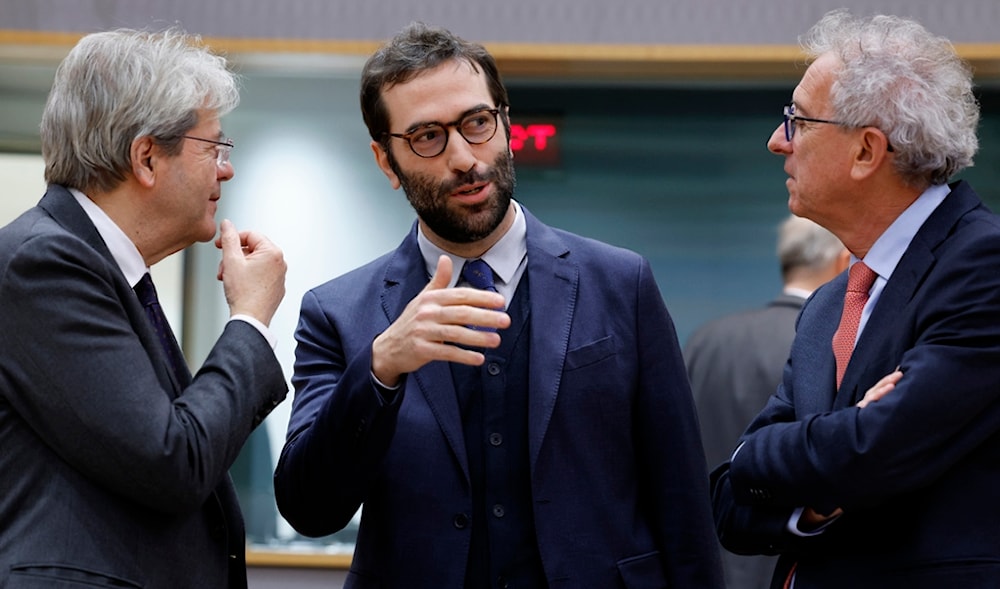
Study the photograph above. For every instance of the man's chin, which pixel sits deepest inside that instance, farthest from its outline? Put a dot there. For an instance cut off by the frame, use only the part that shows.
(207, 234)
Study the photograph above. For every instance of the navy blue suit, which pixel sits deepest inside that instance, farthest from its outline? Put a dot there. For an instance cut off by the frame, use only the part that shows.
(617, 473)
(917, 472)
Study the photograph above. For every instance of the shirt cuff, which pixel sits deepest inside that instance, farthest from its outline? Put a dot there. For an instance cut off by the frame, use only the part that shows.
(386, 395)
(793, 524)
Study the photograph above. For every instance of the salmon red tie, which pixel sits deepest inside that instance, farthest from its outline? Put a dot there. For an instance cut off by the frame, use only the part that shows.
(859, 282)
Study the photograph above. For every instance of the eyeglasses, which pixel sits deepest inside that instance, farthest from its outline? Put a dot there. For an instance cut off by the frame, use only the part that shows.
(791, 118)
(223, 148)
(430, 140)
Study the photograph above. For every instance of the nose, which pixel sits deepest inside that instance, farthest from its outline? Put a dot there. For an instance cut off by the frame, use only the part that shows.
(225, 171)
(777, 142)
(459, 152)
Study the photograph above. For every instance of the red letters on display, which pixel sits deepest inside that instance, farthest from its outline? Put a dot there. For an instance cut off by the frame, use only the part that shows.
(535, 143)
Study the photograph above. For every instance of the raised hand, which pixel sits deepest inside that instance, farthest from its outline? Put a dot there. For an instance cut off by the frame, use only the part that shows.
(252, 272)
(434, 326)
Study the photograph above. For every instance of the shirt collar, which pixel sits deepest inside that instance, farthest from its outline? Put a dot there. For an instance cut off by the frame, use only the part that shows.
(504, 257)
(889, 248)
(792, 291)
(122, 248)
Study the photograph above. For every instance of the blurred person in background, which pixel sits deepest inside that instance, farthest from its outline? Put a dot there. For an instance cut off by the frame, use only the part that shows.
(735, 362)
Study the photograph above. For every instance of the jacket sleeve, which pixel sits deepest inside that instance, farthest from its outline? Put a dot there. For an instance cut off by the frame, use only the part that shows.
(752, 529)
(676, 461)
(945, 338)
(77, 373)
(339, 431)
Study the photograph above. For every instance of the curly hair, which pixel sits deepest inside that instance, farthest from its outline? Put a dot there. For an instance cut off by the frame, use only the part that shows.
(909, 83)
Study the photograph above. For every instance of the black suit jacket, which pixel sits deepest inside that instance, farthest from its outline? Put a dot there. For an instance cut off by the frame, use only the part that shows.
(114, 473)
(917, 472)
(735, 364)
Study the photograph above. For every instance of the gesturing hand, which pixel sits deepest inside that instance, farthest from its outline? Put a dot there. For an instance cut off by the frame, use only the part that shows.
(435, 324)
(252, 272)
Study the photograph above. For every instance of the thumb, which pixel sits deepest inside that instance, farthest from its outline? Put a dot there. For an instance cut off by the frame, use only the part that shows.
(442, 275)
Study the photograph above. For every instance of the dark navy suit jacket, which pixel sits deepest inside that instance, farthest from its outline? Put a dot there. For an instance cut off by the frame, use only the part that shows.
(917, 472)
(618, 477)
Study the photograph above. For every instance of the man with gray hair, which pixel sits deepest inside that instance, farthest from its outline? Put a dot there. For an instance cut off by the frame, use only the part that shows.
(876, 464)
(735, 362)
(114, 457)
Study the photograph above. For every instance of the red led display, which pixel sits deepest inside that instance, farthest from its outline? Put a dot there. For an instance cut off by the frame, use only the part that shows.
(535, 143)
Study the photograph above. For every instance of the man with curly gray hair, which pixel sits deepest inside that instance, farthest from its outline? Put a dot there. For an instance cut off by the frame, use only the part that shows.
(875, 464)
(115, 458)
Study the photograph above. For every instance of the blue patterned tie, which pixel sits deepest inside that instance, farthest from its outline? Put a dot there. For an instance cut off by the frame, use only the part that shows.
(479, 274)
(146, 292)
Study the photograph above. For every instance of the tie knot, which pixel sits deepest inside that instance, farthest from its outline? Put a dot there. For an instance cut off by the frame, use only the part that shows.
(860, 278)
(145, 290)
(479, 274)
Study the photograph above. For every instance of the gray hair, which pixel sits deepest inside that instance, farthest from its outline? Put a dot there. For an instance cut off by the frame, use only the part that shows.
(909, 83)
(805, 244)
(117, 86)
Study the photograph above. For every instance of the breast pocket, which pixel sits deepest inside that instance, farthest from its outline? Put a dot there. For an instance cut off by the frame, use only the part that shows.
(643, 572)
(597, 384)
(591, 353)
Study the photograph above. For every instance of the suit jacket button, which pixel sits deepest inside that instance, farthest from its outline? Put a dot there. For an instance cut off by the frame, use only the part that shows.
(461, 520)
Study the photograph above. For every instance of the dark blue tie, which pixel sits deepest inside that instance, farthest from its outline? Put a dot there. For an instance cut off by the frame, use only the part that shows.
(479, 274)
(146, 292)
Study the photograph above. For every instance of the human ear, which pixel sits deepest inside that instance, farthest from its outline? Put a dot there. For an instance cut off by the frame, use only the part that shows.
(144, 154)
(382, 159)
(872, 151)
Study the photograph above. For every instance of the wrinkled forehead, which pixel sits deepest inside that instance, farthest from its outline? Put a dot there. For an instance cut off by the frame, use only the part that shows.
(812, 95)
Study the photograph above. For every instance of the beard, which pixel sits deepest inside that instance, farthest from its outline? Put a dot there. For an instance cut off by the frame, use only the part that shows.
(466, 224)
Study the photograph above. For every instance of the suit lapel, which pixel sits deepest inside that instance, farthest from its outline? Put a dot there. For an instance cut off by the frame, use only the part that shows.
(913, 267)
(554, 280)
(61, 205)
(405, 277)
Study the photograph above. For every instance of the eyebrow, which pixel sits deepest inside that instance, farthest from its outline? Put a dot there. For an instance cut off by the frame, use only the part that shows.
(420, 125)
